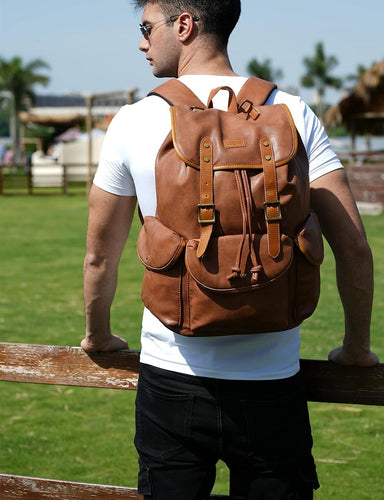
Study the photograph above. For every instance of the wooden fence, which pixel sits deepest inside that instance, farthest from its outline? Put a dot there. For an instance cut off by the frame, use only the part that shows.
(59, 175)
(71, 366)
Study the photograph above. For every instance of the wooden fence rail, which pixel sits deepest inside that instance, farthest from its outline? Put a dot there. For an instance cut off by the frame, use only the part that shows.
(71, 366)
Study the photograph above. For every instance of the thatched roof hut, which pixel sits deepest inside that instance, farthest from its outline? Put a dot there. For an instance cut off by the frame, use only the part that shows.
(362, 112)
(63, 112)
(53, 120)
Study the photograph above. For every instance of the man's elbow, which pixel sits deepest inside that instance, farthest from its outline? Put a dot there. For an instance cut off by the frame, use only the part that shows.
(363, 251)
(354, 252)
(94, 260)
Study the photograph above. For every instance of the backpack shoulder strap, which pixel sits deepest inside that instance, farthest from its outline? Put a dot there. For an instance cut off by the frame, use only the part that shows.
(256, 90)
(176, 93)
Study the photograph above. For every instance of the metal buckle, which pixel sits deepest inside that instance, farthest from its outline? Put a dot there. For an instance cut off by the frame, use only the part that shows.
(275, 204)
(249, 108)
(206, 206)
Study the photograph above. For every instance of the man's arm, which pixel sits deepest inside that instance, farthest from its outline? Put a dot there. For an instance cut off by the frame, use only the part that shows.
(333, 202)
(109, 222)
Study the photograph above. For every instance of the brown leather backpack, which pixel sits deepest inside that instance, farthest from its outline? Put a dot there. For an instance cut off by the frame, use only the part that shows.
(234, 247)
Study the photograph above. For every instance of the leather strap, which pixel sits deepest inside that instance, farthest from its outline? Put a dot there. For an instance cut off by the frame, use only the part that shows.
(272, 208)
(179, 94)
(256, 90)
(254, 93)
(206, 207)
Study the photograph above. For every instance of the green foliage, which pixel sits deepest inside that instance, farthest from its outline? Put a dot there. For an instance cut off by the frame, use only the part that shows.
(264, 70)
(339, 131)
(318, 69)
(87, 434)
(40, 132)
(4, 123)
(318, 74)
(19, 78)
(18, 81)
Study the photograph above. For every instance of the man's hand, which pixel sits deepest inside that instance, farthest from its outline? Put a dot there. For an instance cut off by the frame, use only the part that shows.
(107, 343)
(347, 357)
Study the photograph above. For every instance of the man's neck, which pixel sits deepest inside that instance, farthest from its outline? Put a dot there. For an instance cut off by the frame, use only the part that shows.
(203, 63)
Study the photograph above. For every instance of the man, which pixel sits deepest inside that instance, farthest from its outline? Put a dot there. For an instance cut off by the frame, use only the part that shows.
(236, 398)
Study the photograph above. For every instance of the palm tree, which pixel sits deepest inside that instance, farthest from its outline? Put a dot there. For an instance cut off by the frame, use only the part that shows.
(264, 70)
(318, 74)
(16, 83)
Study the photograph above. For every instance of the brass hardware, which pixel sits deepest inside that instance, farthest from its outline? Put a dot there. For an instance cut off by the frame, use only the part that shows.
(271, 204)
(206, 206)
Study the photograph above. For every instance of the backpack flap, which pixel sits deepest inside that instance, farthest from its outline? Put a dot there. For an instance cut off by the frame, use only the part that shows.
(211, 140)
(234, 137)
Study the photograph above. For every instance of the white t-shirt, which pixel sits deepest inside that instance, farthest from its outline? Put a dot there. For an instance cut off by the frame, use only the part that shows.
(127, 168)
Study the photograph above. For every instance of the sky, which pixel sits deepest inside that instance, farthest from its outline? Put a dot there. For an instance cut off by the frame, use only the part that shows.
(92, 45)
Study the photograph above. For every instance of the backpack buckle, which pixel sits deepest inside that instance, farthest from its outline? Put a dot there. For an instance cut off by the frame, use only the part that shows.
(208, 207)
(248, 107)
(272, 204)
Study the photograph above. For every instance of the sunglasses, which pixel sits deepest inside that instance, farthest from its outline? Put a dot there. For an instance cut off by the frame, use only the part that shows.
(146, 29)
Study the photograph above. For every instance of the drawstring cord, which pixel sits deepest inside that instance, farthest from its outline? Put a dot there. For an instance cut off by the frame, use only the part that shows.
(245, 196)
(236, 270)
(255, 270)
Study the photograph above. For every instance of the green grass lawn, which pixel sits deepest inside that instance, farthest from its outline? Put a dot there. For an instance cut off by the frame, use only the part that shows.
(87, 434)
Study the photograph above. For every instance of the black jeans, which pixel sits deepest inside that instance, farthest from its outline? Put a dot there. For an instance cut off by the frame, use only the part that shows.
(260, 429)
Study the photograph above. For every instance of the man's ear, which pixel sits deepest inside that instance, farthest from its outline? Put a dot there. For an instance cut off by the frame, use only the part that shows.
(186, 26)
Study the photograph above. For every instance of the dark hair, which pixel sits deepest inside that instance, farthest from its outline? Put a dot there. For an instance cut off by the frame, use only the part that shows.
(218, 17)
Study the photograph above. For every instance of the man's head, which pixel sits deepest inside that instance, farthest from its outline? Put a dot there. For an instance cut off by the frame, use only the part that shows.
(216, 17)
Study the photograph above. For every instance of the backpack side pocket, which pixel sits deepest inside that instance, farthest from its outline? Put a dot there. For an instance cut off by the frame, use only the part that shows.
(158, 247)
(309, 256)
(310, 241)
